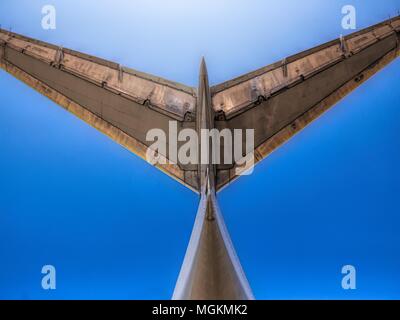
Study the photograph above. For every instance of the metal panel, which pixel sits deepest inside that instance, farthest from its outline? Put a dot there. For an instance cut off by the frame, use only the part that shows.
(78, 86)
(293, 94)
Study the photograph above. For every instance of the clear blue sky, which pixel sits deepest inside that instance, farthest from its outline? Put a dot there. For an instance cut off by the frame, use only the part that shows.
(114, 227)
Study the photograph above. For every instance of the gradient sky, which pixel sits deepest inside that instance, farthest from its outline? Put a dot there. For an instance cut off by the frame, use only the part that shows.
(115, 227)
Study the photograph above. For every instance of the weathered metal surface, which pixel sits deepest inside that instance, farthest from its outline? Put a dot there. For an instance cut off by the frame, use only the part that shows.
(266, 100)
(235, 95)
(124, 120)
(211, 268)
(204, 120)
(283, 113)
(224, 177)
(170, 97)
(276, 101)
(98, 123)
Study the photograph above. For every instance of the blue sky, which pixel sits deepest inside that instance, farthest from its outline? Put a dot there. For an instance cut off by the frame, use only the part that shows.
(115, 227)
